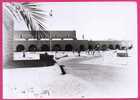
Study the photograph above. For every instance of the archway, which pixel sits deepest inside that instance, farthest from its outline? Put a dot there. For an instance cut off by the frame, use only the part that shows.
(130, 47)
(68, 47)
(123, 48)
(97, 47)
(104, 47)
(82, 47)
(111, 47)
(57, 47)
(32, 48)
(117, 47)
(44, 47)
(90, 47)
(20, 48)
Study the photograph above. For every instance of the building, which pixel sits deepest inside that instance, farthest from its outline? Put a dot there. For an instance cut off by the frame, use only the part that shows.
(58, 41)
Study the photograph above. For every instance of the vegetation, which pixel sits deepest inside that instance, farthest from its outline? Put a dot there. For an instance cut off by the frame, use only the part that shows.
(33, 16)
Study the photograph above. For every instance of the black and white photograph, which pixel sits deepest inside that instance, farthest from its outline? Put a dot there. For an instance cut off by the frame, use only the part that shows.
(70, 50)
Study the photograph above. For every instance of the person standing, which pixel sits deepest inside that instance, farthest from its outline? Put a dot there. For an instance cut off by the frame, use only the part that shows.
(23, 54)
(79, 51)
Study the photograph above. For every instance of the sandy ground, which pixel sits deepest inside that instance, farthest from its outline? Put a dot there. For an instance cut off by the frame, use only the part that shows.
(100, 76)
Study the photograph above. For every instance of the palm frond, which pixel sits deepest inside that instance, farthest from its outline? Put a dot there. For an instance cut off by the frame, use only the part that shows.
(32, 15)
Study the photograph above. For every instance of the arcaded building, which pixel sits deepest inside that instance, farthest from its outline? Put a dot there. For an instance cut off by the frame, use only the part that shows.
(57, 41)
(52, 40)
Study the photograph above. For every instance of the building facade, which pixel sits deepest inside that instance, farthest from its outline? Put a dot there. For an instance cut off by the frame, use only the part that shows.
(59, 41)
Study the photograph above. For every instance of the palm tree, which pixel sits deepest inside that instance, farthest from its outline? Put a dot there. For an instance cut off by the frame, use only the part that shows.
(32, 15)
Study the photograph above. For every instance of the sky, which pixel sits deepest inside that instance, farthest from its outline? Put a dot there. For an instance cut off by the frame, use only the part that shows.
(94, 20)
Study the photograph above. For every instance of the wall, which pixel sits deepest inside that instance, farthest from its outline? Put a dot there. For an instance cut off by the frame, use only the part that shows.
(62, 43)
(74, 43)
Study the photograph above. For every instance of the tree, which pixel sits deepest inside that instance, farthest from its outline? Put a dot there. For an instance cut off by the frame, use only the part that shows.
(104, 47)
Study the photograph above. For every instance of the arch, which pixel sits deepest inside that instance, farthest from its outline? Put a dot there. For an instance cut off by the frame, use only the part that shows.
(130, 47)
(68, 47)
(32, 48)
(57, 47)
(111, 47)
(117, 46)
(104, 47)
(44, 47)
(97, 46)
(90, 47)
(123, 48)
(20, 48)
(82, 47)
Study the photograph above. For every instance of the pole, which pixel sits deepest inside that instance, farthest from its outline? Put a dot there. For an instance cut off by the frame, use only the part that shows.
(50, 42)
(50, 14)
